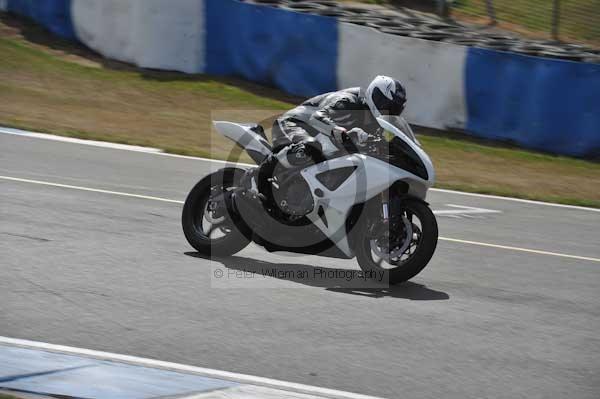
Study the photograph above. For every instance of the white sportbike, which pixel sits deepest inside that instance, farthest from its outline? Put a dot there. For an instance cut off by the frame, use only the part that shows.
(364, 201)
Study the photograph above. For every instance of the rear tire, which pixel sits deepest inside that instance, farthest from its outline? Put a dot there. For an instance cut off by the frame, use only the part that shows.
(417, 261)
(234, 240)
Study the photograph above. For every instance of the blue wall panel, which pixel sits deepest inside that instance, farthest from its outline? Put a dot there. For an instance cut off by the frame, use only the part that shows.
(54, 15)
(544, 104)
(293, 51)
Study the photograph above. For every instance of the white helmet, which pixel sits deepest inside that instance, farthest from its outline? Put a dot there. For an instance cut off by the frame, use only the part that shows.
(385, 96)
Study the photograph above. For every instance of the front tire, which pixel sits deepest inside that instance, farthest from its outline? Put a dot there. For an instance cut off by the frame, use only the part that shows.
(423, 238)
(195, 215)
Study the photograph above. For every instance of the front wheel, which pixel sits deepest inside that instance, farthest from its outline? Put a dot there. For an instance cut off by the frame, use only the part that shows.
(401, 248)
(206, 221)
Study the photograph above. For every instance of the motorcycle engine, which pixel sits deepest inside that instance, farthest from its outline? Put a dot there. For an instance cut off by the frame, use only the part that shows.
(292, 196)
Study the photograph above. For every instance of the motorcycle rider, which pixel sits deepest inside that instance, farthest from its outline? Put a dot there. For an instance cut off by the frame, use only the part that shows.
(321, 125)
(325, 122)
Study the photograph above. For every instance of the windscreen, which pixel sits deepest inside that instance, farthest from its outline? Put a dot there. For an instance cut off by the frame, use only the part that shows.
(401, 124)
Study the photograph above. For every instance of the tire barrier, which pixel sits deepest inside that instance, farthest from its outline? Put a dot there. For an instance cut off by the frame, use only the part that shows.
(490, 85)
(271, 3)
(395, 22)
(361, 20)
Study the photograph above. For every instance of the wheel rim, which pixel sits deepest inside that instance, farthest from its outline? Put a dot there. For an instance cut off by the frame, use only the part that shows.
(393, 249)
(211, 220)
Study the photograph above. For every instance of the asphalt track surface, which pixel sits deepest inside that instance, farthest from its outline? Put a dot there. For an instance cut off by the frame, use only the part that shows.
(110, 272)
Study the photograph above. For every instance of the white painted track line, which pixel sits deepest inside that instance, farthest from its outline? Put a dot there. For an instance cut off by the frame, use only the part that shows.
(518, 249)
(147, 197)
(155, 151)
(108, 144)
(105, 144)
(464, 210)
(94, 190)
(521, 200)
(205, 372)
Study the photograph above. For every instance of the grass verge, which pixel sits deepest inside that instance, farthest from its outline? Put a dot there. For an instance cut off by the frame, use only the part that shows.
(579, 19)
(57, 87)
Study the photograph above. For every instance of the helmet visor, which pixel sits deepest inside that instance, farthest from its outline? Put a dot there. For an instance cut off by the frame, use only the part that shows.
(396, 108)
(386, 106)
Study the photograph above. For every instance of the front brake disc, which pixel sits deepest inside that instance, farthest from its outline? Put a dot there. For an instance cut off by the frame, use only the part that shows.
(396, 253)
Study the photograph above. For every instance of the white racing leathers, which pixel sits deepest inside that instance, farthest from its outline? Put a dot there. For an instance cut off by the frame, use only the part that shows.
(317, 118)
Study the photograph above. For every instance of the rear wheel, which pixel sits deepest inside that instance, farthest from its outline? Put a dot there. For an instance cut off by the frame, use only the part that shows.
(207, 224)
(401, 248)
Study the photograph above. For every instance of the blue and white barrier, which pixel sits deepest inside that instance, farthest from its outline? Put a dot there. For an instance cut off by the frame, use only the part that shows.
(546, 104)
(550, 105)
(296, 52)
(431, 71)
(55, 15)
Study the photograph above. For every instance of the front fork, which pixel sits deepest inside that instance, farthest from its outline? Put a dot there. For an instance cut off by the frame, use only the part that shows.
(385, 206)
(380, 220)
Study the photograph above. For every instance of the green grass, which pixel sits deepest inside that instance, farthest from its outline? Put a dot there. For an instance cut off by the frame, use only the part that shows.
(579, 19)
(16, 54)
(467, 165)
(56, 87)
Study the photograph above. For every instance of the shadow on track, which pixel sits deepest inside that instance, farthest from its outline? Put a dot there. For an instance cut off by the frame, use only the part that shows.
(316, 276)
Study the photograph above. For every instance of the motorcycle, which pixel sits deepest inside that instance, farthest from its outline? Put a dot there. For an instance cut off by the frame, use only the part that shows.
(365, 201)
